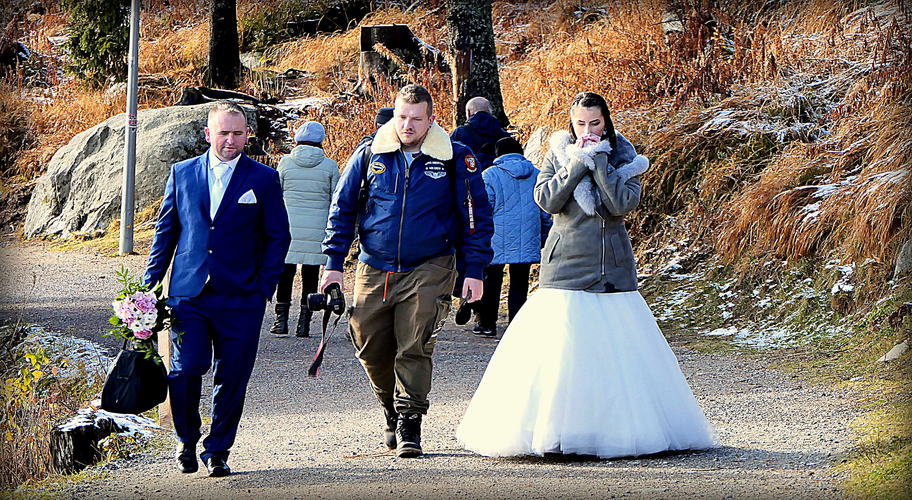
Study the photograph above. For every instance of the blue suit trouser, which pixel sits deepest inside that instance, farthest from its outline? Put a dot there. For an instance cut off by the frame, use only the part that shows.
(221, 332)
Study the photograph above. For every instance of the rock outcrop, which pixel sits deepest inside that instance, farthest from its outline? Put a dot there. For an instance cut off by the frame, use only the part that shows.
(81, 191)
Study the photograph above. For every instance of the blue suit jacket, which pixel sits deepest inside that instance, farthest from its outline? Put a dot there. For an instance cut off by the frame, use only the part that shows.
(242, 250)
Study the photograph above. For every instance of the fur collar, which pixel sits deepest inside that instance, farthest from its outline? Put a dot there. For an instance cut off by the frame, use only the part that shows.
(586, 194)
(436, 144)
(565, 148)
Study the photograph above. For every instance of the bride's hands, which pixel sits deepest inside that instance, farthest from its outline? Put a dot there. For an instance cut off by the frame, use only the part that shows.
(587, 140)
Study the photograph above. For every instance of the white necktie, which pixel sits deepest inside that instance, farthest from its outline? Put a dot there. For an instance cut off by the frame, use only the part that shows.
(218, 188)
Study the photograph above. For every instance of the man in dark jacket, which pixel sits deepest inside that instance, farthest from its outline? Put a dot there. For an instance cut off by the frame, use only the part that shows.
(383, 115)
(481, 131)
(424, 204)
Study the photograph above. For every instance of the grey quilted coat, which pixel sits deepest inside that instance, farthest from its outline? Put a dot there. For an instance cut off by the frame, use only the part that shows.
(588, 192)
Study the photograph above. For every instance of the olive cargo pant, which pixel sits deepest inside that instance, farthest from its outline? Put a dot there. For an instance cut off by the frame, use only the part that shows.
(394, 323)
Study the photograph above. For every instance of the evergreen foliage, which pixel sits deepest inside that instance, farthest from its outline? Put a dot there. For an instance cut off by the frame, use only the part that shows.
(98, 41)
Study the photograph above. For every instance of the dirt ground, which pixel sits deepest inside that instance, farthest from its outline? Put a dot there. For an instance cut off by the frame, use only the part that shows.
(303, 437)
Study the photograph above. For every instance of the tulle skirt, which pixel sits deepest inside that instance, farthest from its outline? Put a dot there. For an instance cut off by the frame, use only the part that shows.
(583, 373)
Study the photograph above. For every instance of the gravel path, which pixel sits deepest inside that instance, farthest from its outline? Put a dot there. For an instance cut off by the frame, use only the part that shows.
(303, 437)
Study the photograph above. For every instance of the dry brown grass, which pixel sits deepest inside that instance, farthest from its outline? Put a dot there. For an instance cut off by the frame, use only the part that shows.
(623, 57)
(333, 59)
(850, 193)
(180, 53)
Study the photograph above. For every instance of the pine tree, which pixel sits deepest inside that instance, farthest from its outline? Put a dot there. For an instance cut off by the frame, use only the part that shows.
(98, 39)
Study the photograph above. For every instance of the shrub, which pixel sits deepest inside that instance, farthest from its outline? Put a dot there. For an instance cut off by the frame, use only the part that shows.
(98, 39)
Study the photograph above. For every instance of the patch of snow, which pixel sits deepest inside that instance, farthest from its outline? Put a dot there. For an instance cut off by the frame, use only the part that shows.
(840, 287)
(722, 332)
(81, 354)
(135, 425)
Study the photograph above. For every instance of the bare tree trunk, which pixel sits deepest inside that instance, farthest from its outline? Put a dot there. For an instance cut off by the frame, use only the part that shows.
(224, 53)
(473, 56)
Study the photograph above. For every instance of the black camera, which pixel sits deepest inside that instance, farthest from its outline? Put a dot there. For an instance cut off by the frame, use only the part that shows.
(332, 300)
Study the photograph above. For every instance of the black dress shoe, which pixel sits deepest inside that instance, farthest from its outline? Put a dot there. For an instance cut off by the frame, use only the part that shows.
(186, 458)
(217, 467)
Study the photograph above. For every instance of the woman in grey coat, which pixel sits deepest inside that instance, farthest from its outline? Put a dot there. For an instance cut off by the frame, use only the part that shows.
(583, 368)
(308, 180)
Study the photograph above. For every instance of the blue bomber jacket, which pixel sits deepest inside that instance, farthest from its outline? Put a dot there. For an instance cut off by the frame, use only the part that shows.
(409, 214)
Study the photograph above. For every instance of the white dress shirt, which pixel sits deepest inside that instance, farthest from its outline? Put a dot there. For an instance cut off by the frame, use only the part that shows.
(215, 198)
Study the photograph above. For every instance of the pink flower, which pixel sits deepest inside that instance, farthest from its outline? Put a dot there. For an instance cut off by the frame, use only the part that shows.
(125, 310)
(144, 301)
(143, 334)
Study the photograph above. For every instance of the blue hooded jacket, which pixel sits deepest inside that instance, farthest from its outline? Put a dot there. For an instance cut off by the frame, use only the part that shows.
(520, 226)
(480, 133)
(411, 213)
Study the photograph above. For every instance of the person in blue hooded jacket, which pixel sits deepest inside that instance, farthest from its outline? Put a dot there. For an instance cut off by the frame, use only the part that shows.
(416, 201)
(520, 228)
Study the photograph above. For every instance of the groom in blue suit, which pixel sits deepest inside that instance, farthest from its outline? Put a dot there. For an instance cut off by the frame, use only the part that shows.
(224, 223)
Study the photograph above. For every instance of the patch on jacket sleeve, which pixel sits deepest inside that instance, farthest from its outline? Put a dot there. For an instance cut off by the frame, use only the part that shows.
(471, 164)
(377, 167)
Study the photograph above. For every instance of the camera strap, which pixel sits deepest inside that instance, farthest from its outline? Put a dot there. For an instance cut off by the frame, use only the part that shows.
(314, 369)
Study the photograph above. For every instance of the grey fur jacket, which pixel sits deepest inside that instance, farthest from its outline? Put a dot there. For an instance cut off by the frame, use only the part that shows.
(589, 191)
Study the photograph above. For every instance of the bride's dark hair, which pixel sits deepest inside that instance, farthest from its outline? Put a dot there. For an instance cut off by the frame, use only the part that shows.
(593, 100)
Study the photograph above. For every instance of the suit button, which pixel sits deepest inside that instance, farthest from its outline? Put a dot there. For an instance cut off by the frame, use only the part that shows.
(212, 228)
(210, 250)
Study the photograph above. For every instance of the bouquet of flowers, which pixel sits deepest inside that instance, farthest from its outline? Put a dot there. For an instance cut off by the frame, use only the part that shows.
(139, 314)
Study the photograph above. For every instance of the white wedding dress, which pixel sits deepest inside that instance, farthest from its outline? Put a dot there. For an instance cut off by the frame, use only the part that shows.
(583, 373)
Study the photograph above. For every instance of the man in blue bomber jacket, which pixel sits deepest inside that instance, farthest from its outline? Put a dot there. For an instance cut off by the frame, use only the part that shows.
(423, 202)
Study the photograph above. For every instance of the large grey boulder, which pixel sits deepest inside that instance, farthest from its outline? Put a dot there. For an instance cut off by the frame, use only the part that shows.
(80, 192)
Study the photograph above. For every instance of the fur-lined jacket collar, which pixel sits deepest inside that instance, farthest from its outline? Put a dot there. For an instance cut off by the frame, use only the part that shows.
(436, 143)
(586, 194)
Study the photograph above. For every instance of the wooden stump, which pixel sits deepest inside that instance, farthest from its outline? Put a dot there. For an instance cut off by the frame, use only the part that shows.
(397, 42)
(74, 443)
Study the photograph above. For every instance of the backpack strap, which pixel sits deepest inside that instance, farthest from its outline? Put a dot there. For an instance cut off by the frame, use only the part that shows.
(365, 164)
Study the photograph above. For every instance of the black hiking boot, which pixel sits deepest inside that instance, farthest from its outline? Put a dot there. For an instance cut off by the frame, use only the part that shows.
(408, 435)
(303, 329)
(280, 327)
(392, 419)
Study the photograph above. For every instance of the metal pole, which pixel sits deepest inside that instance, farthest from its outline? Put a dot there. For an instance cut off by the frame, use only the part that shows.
(129, 181)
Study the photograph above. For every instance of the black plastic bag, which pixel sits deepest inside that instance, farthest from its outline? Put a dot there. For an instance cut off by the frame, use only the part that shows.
(134, 383)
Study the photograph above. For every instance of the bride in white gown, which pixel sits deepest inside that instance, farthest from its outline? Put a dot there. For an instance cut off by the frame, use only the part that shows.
(583, 367)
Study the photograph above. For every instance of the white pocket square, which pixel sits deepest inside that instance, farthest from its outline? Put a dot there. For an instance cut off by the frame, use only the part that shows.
(247, 197)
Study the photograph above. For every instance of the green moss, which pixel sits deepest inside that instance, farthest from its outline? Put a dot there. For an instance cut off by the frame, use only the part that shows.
(881, 465)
